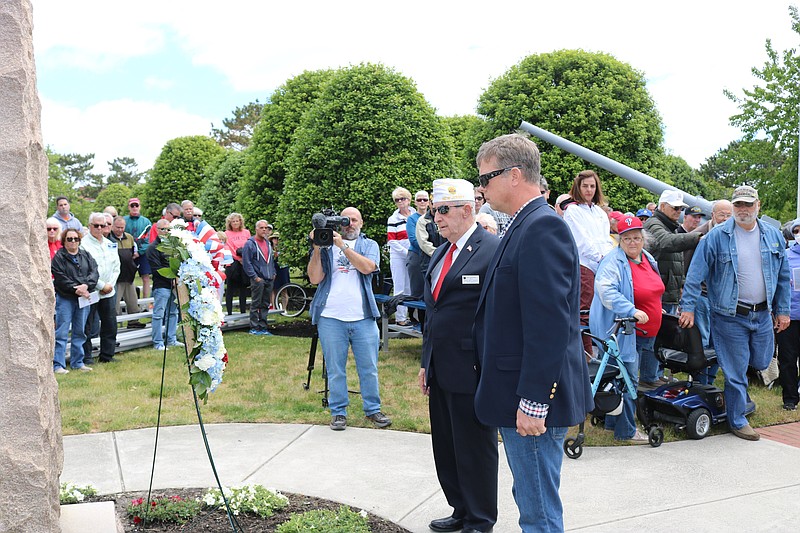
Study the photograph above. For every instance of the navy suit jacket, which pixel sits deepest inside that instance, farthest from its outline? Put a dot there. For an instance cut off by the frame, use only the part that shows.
(448, 320)
(527, 328)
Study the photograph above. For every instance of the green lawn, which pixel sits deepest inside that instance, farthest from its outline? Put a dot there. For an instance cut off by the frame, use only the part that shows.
(264, 383)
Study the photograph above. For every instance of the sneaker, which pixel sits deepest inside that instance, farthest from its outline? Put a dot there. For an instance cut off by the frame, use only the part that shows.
(176, 343)
(403, 323)
(159, 347)
(649, 385)
(380, 420)
(789, 406)
(265, 332)
(84, 368)
(338, 422)
(254, 332)
(60, 370)
(638, 438)
(746, 432)
(666, 379)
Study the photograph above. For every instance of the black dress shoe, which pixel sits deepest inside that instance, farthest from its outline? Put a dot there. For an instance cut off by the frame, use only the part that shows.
(471, 530)
(446, 524)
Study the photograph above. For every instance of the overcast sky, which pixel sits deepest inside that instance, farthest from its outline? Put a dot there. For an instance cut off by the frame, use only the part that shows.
(123, 78)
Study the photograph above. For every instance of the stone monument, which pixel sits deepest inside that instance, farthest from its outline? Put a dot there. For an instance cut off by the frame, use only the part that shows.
(31, 454)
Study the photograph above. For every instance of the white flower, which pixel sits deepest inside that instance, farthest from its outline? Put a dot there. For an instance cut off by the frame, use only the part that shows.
(205, 362)
(363, 513)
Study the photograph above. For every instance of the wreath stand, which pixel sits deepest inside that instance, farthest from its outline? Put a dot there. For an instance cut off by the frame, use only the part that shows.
(189, 342)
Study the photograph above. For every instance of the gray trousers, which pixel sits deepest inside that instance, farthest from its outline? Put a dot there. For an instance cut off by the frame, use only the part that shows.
(261, 294)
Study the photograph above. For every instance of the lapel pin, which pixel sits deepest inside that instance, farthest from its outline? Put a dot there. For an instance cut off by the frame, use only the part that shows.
(469, 248)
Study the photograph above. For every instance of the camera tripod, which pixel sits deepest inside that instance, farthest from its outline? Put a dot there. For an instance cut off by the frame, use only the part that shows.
(312, 355)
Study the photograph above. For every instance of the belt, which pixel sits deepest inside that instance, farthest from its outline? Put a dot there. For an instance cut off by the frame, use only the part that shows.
(743, 308)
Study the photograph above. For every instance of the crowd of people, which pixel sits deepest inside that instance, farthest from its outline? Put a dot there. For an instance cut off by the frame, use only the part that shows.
(489, 262)
(94, 268)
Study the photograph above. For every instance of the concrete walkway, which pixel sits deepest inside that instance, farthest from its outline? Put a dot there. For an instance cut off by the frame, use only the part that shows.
(721, 483)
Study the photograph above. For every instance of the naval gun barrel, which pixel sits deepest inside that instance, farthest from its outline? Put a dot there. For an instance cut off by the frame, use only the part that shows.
(623, 171)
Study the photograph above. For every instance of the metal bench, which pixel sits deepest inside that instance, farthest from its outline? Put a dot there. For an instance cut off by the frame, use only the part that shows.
(393, 331)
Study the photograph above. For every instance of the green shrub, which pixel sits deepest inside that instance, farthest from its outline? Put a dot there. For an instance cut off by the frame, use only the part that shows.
(72, 493)
(255, 499)
(343, 520)
(165, 509)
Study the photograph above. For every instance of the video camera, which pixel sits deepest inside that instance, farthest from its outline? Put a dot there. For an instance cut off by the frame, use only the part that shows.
(324, 224)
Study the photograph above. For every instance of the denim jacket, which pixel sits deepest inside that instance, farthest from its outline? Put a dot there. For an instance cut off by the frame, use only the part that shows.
(793, 256)
(716, 260)
(369, 249)
(613, 298)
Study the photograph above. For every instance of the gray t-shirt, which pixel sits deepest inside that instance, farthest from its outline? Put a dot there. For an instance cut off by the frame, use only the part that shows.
(752, 289)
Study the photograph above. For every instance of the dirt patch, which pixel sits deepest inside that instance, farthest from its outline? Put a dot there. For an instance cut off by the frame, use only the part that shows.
(213, 521)
(294, 328)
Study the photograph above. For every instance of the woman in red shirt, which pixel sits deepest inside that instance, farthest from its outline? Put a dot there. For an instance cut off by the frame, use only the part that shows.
(627, 283)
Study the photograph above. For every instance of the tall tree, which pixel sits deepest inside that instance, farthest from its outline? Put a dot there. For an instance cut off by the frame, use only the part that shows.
(237, 130)
(265, 169)
(368, 132)
(218, 195)
(467, 132)
(760, 164)
(589, 98)
(115, 194)
(124, 170)
(179, 172)
(771, 108)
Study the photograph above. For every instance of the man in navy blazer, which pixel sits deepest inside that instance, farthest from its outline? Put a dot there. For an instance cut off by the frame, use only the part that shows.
(534, 382)
(464, 450)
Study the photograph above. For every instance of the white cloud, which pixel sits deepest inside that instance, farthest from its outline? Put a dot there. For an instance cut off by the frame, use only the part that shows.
(117, 128)
(688, 50)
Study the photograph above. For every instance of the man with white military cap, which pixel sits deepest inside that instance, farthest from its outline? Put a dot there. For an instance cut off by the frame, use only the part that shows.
(464, 450)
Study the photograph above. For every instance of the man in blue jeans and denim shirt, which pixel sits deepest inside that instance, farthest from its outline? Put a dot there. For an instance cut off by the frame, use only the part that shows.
(344, 311)
(747, 276)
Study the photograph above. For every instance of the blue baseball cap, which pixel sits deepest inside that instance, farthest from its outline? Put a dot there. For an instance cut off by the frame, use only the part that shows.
(644, 213)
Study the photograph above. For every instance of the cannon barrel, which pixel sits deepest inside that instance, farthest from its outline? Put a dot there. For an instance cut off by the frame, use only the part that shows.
(623, 171)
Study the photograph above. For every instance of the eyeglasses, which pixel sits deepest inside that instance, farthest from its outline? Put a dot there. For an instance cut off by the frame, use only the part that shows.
(631, 240)
(480, 199)
(98, 225)
(743, 204)
(483, 179)
(73, 239)
(444, 209)
(398, 200)
(133, 205)
(418, 200)
(52, 229)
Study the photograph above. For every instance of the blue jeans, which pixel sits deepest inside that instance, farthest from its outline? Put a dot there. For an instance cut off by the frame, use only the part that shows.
(535, 463)
(741, 340)
(68, 313)
(624, 425)
(336, 337)
(702, 318)
(163, 300)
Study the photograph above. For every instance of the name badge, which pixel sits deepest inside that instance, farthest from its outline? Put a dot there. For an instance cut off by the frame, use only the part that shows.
(471, 280)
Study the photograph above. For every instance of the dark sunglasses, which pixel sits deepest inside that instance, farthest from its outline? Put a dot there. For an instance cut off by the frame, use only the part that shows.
(418, 200)
(52, 229)
(73, 239)
(444, 209)
(398, 200)
(483, 179)
(480, 199)
(98, 225)
(743, 204)
(133, 205)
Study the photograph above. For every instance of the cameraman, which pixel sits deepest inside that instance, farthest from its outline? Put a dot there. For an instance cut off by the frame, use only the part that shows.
(344, 312)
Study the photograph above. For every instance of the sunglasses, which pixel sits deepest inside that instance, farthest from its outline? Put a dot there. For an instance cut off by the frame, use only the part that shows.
(73, 239)
(52, 229)
(398, 200)
(743, 204)
(480, 199)
(444, 209)
(418, 200)
(483, 179)
(133, 205)
(98, 225)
